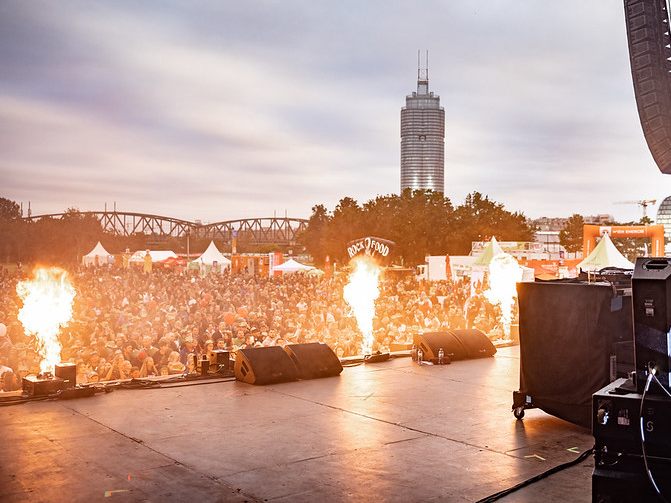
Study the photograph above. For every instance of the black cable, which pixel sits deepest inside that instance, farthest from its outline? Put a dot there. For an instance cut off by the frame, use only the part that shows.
(172, 383)
(107, 386)
(547, 473)
(184, 385)
(21, 400)
(651, 376)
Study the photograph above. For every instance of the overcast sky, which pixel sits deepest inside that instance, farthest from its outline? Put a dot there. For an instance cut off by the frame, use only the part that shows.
(221, 110)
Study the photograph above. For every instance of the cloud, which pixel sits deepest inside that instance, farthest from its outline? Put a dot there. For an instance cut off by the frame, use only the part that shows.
(218, 110)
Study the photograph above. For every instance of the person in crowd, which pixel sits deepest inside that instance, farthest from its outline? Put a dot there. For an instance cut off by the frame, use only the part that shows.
(175, 366)
(117, 370)
(122, 317)
(148, 368)
(188, 347)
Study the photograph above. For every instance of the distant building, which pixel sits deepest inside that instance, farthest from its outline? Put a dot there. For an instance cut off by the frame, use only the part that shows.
(545, 246)
(600, 219)
(558, 223)
(553, 249)
(549, 223)
(423, 138)
(664, 218)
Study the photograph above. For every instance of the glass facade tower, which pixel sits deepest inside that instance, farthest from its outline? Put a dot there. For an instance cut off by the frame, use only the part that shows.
(423, 139)
(664, 218)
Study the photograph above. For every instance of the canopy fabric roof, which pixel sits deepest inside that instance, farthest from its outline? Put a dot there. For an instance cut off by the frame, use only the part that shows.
(211, 255)
(605, 254)
(292, 266)
(491, 250)
(99, 252)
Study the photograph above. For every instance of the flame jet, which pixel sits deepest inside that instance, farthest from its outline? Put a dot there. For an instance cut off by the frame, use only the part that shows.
(360, 293)
(47, 306)
(504, 274)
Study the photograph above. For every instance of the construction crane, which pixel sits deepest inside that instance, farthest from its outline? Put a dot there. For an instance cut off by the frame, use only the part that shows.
(643, 203)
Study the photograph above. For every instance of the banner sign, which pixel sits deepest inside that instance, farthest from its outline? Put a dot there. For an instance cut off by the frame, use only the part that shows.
(370, 245)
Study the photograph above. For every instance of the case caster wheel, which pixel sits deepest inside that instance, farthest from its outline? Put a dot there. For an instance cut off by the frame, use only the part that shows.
(518, 412)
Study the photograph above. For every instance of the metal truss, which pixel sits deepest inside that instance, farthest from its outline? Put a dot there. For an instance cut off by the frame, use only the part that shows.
(271, 230)
(255, 230)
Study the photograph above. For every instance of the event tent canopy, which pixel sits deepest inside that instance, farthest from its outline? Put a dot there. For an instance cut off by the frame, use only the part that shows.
(97, 256)
(605, 254)
(292, 266)
(492, 249)
(211, 255)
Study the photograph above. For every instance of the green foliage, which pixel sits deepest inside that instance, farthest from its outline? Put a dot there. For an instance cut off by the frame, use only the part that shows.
(480, 219)
(419, 222)
(571, 236)
(9, 210)
(49, 240)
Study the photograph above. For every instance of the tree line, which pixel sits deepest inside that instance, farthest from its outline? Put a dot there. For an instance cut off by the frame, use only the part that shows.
(63, 241)
(420, 222)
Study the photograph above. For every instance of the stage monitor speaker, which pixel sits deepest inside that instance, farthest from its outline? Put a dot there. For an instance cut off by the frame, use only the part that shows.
(456, 344)
(651, 301)
(649, 53)
(267, 365)
(314, 360)
(477, 344)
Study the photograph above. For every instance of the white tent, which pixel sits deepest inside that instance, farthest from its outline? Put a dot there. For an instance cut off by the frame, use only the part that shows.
(97, 256)
(212, 255)
(490, 251)
(292, 266)
(605, 254)
(156, 256)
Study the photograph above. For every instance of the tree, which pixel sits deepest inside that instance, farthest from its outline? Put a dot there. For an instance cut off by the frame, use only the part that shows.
(9, 210)
(81, 231)
(315, 236)
(421, 225)
(571, 235)
(420, 222)
(480, 219)
(12, 229)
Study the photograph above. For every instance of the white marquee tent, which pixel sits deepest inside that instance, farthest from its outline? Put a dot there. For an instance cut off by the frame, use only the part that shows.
(292, 266)
(605, 254)
(212, 255)
(97, 256)
(491, 250)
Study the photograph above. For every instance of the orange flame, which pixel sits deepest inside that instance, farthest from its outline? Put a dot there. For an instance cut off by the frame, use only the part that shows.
(504, 274)
(360, 293)
(47, 306)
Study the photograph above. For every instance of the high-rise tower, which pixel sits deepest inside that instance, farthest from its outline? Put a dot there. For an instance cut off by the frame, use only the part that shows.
(423, 137)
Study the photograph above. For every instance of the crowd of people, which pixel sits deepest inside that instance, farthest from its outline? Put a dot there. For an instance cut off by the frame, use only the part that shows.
(129, 324)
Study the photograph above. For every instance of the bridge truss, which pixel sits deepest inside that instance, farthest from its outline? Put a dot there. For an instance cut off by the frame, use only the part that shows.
(254, 231)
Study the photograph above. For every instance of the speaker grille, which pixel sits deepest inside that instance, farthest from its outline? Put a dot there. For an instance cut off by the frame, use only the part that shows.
(649, 52)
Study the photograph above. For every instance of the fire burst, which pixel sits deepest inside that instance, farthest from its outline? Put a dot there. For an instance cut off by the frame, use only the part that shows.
(504, 274)
(360, 293)
(47, 306)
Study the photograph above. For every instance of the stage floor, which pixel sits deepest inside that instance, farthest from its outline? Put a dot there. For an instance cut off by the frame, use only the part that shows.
(392, 431)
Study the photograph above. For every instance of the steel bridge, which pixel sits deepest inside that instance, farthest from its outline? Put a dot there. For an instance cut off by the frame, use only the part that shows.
(269, 230)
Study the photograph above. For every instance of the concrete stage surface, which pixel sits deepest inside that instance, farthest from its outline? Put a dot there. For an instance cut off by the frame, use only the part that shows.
(391, 431)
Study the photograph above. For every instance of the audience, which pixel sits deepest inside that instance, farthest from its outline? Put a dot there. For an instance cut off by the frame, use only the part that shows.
(129, 324)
